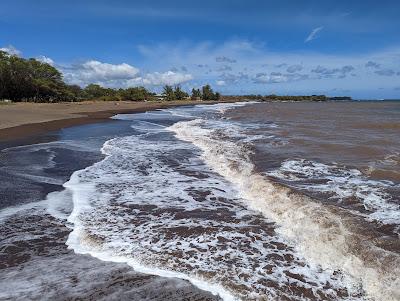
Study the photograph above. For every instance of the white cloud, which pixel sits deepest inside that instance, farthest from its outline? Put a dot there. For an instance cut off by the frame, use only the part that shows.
(120, 75)
(335, 71)
(95, 70)
(273, 78)
(10, 49)
(286, 72)
(160, 79)
(99, 72)
(313, 34)
(45, 59)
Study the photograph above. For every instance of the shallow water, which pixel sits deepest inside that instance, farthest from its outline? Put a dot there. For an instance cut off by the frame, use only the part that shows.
(35, 263)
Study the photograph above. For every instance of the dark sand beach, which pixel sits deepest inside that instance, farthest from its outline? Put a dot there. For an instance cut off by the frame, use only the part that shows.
(21, 120)
(33, 253)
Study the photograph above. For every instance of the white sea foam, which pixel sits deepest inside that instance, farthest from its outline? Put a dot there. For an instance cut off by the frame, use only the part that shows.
(153, 204)
(59, 204)
(13, 210)
(323, 234)
(83, 192)
(342, 183)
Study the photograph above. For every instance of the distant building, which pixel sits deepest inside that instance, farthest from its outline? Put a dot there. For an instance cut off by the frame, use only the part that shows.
(160, 96)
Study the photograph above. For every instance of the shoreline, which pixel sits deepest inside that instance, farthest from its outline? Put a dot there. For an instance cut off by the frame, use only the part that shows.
(31, 119)
(51, 251)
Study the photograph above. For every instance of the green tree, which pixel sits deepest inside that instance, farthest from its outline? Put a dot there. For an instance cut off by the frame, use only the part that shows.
(208, 93)
(135, 94)
(94, 91)
(28, 79)
(179, 93)
(168, 91)
(76, 92)
(196, 94)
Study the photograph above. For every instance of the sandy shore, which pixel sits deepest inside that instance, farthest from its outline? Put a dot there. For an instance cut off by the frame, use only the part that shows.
(21, 120)
(33, 240)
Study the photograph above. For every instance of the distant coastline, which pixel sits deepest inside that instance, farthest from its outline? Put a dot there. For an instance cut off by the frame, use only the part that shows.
(274, 97)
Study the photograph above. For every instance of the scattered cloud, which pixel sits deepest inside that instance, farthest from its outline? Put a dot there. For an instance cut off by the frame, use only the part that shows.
(385, 72)
(294, 68)
(278, 77)
(313, 34)
(273, 77)
(160, 79)
(224, 68)
(324, 72)
(200, 60)
(372, 64)
(231, 78)
(224, 59)
(10, 49)
(182, 68)
(240, 67)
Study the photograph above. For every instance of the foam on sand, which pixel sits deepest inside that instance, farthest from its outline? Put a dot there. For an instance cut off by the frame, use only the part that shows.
(153, 204)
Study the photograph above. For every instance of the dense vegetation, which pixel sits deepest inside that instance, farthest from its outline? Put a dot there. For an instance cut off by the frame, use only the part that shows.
(174, 93)
(206, 93)
(30, 80)
(22, 79)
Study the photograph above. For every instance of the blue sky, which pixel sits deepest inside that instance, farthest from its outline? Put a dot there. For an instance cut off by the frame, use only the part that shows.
(283, 47)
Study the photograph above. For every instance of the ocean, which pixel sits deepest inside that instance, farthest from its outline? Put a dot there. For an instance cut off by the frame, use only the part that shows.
(243, 201)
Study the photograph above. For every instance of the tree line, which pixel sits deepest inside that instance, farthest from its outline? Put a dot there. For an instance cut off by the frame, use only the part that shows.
(31, 80)
(28, 79)
(176, 93)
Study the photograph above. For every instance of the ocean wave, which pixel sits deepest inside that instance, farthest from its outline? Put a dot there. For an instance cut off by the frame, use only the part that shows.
(340, 184)
(325, 235)
(153, 204)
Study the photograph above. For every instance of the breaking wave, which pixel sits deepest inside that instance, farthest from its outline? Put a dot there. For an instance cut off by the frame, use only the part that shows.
(329, 236)
(184, 199)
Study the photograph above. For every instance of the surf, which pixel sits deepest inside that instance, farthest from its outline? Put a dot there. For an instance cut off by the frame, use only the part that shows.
(328, 236)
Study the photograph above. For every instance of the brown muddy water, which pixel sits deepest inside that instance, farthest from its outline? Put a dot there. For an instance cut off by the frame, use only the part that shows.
(246, 201)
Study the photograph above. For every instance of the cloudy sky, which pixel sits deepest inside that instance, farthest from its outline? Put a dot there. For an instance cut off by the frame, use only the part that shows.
(238, 46)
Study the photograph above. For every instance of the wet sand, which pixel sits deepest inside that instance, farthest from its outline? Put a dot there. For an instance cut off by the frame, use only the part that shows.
(38, 256)
(21, 120)
(35, 263)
